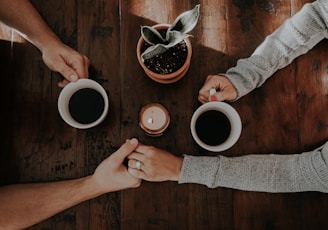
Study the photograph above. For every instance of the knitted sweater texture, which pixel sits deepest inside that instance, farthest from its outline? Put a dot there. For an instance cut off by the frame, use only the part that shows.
(307, 171)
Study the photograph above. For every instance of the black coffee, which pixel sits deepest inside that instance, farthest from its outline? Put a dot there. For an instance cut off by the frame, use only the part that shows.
(213, 127)
(86, 105)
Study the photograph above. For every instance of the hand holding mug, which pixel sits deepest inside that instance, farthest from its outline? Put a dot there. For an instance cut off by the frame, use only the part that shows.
(65, 60)
(224, 87)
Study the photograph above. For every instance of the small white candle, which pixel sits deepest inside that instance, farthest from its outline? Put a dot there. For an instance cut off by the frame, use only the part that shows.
(154, 118)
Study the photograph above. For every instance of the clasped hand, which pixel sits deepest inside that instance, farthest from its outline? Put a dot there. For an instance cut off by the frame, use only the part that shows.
(156, 165)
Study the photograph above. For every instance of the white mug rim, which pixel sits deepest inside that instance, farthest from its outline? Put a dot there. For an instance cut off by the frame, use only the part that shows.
(232, 115)
(69, 90)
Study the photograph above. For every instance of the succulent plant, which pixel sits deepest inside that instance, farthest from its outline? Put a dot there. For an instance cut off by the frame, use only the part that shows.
(176, 33)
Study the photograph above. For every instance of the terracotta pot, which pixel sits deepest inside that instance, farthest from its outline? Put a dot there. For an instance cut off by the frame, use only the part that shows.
(165, 78)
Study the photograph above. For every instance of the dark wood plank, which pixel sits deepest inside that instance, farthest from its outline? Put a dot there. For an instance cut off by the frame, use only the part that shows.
(99, 38)
(7, 175)
(286, 115)
(311, 78)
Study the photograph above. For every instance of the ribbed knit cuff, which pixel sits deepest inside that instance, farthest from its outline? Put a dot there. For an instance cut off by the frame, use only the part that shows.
(240, 84)
(199, 170)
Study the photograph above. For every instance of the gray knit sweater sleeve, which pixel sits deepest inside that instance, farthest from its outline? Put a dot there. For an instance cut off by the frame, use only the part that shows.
(270, 173)
(264, 173)
(294, 37)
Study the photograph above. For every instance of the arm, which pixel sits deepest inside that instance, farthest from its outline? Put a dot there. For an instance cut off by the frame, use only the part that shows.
(265, 173)
(21, 15)
(23, 205)
(296, 36)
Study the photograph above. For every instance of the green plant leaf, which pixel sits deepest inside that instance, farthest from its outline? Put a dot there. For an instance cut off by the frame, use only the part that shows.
(153, 51)
(175, 37)
(186, 21)
(151, 35)
(176, 33)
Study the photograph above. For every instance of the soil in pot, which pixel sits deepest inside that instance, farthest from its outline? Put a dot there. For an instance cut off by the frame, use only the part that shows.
(168, 62)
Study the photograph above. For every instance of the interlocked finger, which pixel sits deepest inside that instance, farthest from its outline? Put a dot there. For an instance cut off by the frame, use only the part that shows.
(135, 164)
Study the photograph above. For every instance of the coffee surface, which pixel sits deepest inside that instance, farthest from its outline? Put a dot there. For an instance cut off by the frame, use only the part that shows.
(213, 127)
(86, 105)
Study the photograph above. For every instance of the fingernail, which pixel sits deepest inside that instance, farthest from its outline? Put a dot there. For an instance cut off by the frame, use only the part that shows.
(133, 141)
(73, 77)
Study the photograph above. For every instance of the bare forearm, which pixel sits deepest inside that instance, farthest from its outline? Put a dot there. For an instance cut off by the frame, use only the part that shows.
(24, 205)
(21, 15)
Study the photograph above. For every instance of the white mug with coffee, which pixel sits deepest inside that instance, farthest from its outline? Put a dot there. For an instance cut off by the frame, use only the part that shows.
(83, 104)
(216, 126)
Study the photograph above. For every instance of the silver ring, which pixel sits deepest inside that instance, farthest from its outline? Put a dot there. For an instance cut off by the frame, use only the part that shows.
(138, 165)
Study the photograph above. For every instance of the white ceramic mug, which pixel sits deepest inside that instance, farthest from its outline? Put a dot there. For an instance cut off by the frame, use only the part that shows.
(230, 113)
(66, 94)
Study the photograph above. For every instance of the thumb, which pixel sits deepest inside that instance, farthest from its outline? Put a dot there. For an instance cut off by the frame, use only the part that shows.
(72, 77)
(127, 148)
(59, 65)
(68, 73)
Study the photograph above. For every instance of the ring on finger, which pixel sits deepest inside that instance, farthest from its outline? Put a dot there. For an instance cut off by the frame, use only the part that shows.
(138, 165)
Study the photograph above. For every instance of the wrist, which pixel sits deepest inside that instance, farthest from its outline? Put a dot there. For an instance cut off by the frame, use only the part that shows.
(177, 169)
(49, 40)
(91, 187)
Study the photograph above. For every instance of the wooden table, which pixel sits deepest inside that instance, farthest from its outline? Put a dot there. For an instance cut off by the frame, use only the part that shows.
(286, 115)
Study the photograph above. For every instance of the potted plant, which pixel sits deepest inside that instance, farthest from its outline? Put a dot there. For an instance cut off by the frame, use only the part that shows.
(164, 50)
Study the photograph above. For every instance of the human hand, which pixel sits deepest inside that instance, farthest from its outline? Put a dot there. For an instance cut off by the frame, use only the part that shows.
(112, 175)
(65, 60)
(224, 87)
(156, 164)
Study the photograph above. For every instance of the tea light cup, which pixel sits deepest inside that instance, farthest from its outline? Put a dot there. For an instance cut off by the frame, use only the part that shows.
(154, 119)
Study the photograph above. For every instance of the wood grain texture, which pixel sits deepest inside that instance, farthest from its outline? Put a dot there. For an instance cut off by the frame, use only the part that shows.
(286, 115)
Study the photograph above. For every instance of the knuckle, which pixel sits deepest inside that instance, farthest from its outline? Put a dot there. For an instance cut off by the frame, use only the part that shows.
(137, 173)
(86, 60)
(130, 163)
(136, 184)
(151, 151)
(78, 58)
(151, 171)
(209, 77)
(61, 69)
